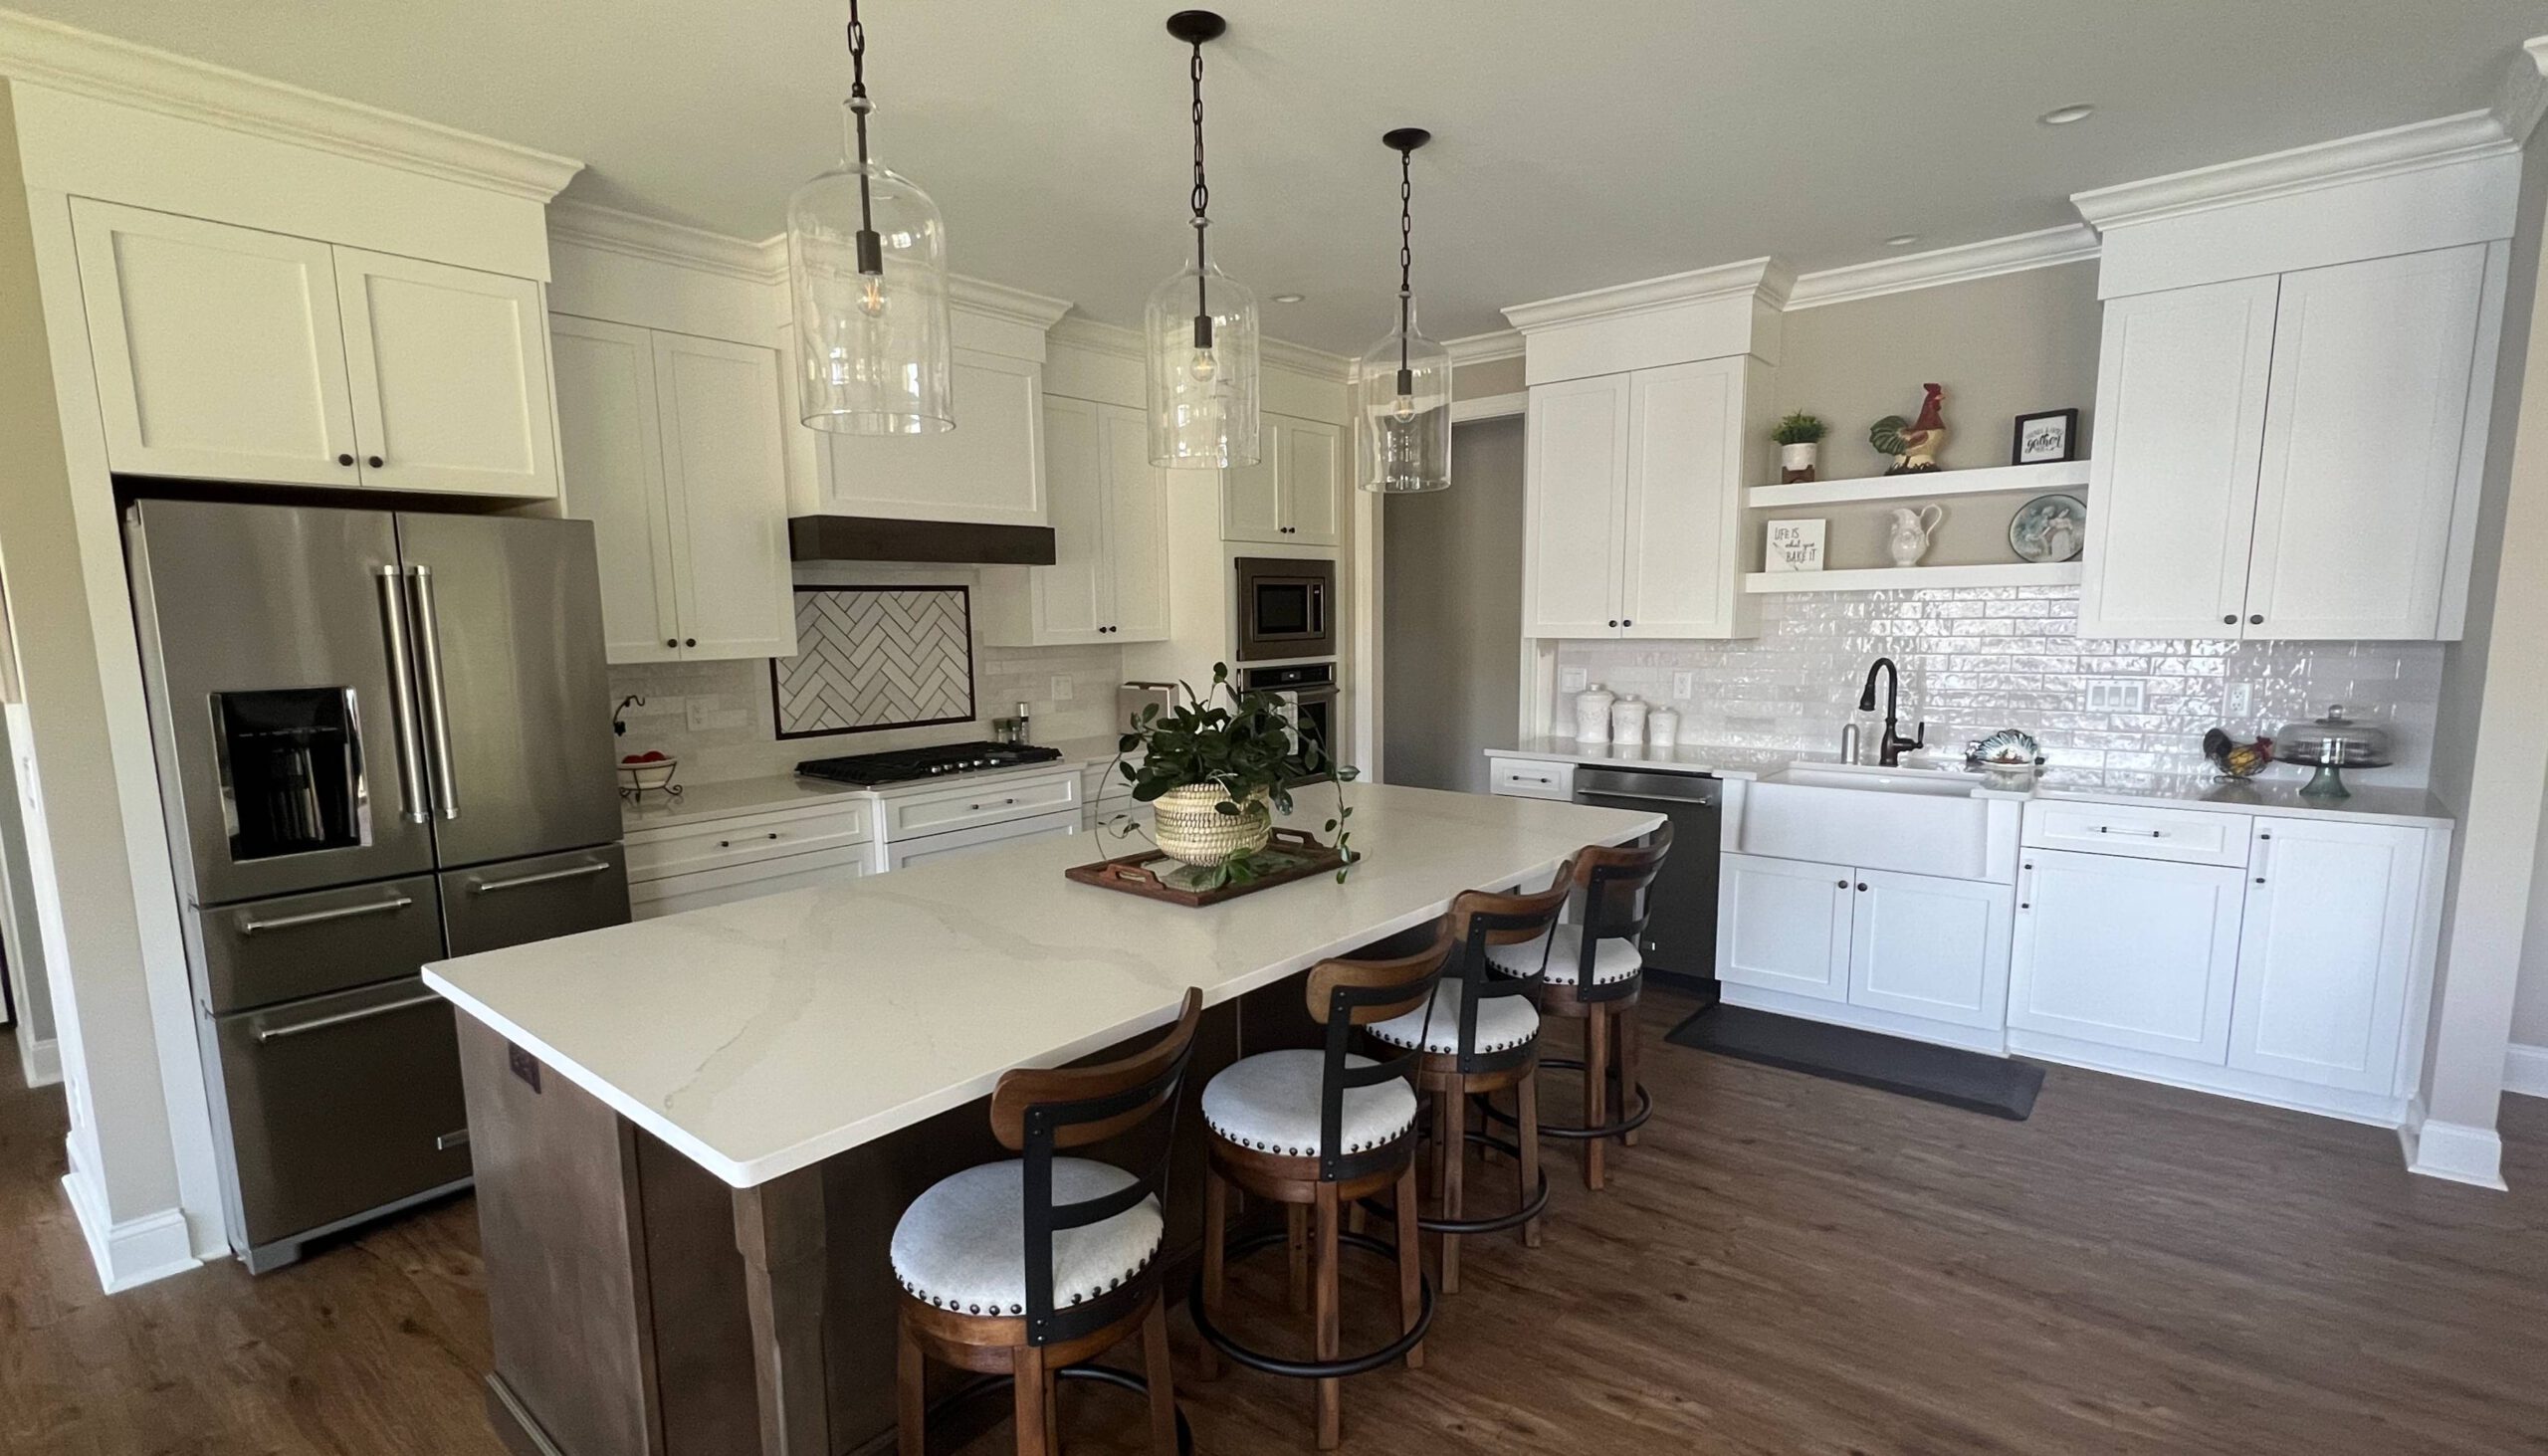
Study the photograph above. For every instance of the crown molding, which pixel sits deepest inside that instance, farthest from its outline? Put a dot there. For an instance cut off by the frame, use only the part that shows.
(2415, 147)
(1300, 358)
(2524, 97)
(2072, 243)
(972, 294)
(82, 62)
(1764, 279)
(1082, 332)
(1485, 348)
(635, 234)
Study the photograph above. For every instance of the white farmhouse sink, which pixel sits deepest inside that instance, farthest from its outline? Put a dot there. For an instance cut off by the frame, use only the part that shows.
(1918, 821)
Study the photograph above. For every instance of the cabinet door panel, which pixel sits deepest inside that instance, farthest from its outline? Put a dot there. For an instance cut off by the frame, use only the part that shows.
(2362, 446)
(1313, 483)
(1783, 926)
(1577, 488)
(1137, 547)
(1926, 946)
(218, 351)
(2180, 408)
(988, 469)
(727, 487)
(2137, 954)
(612, 465)
(1252, 495)
(2327, 951)
(450, 375)
(1074, 595)
(1684, 496)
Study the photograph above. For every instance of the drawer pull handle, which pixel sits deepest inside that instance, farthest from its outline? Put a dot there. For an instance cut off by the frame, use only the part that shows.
(342, 1018)
(1002, 804)
(250, 925)
(450, 1141)
(519, 881)
(729, 844)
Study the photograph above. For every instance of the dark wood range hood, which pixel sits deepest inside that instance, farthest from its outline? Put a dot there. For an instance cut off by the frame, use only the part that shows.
(885, 539)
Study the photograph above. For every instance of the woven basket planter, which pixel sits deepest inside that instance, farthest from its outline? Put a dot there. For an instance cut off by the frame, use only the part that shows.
(1190, 829)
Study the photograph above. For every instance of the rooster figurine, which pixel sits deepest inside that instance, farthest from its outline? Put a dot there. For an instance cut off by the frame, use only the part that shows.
(2233, 758)
(1914, 445)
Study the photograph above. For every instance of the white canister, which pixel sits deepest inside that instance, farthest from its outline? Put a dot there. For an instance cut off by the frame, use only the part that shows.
(1663, 728)
(1627, 720)
(1593, 715)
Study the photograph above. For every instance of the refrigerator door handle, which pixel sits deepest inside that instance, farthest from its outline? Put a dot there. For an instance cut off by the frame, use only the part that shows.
(342, 1018)
(250, 925)
(571, 871)
(402, 698)
(420, 590)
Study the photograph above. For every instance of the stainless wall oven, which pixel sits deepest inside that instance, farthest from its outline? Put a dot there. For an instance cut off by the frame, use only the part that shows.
(1284, 608)
(1308, 691)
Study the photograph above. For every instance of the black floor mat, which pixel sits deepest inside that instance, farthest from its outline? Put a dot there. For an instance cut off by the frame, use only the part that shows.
(1999, 1085)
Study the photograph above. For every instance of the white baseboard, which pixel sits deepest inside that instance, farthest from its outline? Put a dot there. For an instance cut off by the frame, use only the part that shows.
(2526, 1070)
(2454, 1152)
(134, 1252)
(40, 1062)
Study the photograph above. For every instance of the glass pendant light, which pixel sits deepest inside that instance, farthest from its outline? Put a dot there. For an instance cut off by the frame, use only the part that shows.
(1202, 327)
(1402, 385)
(867, 280)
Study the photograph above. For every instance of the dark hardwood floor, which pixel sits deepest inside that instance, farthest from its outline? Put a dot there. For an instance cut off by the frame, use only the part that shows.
(1785, 1265)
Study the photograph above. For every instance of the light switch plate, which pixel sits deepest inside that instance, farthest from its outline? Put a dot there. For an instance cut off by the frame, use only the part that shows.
(1683, 685)
(1061, 688)
(1569, 679)
(2117, 694)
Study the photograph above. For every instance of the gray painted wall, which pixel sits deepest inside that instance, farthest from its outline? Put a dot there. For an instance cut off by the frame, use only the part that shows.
(18, 936)
(1452, 613)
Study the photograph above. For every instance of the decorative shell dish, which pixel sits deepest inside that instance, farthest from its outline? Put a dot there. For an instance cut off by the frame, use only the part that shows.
(2006, 748)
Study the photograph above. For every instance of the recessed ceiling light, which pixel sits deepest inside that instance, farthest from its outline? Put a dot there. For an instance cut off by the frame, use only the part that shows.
(2065, 115)
(1288, 298)
(1902, 239)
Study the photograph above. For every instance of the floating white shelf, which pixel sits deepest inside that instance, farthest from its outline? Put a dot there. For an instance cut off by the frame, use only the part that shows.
(2060, 474)
(1897, 578)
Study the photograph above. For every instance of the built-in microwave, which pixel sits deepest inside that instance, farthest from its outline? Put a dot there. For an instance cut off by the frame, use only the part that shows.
(1284, 608)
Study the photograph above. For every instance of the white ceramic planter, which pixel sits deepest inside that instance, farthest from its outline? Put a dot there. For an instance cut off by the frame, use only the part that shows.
(1191, 829)
(1799, 457)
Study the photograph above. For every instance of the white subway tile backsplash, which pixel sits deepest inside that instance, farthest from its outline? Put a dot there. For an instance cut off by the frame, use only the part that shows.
(1977, 660)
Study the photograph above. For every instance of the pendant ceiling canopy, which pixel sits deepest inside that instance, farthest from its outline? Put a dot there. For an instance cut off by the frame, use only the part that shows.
(1402, 385)
(1202, 327)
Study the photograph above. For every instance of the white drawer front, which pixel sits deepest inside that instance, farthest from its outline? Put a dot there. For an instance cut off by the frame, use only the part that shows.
(676, 893)
(936, 811)
(903, 854)
(711, 844)
(1527, 778)
(2187, 836)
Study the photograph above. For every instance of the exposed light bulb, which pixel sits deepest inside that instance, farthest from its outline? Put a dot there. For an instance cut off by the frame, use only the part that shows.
(871, 295)
(1204, 366)
(1403, 408)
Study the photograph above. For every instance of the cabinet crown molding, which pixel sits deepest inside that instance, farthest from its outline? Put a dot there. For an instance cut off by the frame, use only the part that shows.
(2523, 99)
(1764, 279)
(1485, 348)
(634, 235)
(2415, 147)
(1990, 257)
(83, 63)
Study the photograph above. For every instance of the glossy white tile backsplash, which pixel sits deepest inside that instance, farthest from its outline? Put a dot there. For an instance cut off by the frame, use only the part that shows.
(1979, 659)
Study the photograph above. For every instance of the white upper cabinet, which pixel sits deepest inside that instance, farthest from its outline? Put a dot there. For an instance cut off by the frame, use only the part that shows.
(1635, 500)
(1294, 494)
(2362, 447)
(2327, 951)
(450, 375)
(2288, 457)
(990, 469)
(218, 351)
(1109, 578)
(228, 353)
(672, 451)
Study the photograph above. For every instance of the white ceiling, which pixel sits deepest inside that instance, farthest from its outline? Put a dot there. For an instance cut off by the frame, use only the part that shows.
(1578, 144)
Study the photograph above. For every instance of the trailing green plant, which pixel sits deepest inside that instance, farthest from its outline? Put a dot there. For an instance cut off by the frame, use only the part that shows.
(1799, 428)
(1241, 741)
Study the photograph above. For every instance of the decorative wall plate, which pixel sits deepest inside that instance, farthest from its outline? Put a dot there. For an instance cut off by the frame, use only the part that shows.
(2049, 528)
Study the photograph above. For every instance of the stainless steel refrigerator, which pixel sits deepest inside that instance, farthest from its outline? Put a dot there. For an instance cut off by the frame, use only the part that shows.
(383, 738)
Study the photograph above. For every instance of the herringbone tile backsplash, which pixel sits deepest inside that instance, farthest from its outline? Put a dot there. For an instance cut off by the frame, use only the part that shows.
(877, 657)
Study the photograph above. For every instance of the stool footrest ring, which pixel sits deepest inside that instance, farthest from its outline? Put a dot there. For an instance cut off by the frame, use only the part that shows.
(1102, 1374)
(1349, 1365)
(1626, 1124)
(1531, 1207)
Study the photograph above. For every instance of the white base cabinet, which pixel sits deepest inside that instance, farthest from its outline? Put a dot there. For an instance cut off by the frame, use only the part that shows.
(1907, 945)
(2327, 951)
(2126, 953)
(1783, 926)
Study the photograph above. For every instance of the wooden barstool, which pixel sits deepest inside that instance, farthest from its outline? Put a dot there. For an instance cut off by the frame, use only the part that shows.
(1323, 1127)
(1479, 1034)
(1027, 1267)
(1591, 971)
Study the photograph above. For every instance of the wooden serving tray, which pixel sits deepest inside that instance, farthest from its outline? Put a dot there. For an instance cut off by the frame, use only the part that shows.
(1154, 876)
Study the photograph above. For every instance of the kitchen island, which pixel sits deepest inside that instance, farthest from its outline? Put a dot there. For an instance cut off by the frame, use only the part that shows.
(694, 1134)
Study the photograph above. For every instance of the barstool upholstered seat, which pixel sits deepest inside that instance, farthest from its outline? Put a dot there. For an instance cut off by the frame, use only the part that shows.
(1503, 1023)
(960, 1246)
(1270, 1102)
(1613, 958)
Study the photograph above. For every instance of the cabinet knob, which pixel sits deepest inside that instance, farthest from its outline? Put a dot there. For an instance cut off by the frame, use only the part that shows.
(344, 460)
(2229, 619)
(689, 642)
(2257, 620)
(2260, 879)
(373, 461)
(1843, 883)
(1862, 889)
(1615, 621)
(1627, 621)
(672, 642)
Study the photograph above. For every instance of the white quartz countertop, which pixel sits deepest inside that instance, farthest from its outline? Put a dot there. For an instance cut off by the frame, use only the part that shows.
(2278, 795)
(766, 1035)
(725, 797)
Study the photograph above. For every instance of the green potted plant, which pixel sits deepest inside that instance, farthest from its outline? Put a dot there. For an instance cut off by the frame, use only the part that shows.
(1799, 438)
(1215, 772)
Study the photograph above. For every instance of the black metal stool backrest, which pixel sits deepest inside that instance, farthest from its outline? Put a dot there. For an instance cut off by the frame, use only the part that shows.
(1345, 994)
(1614, 882)
(1037, 1113)
(1480, 919)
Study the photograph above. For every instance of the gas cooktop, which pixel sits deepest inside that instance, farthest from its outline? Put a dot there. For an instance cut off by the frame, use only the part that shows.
(907, 764)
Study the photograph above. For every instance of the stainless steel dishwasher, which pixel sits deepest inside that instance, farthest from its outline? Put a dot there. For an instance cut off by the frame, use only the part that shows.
(1680, 926)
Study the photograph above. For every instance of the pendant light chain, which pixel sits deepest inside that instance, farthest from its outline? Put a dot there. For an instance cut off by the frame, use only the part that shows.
(1202, 200)
(871, 251)
(1405, 259)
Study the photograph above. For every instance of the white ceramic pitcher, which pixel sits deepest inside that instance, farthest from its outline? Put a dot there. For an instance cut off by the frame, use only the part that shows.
(1907, 537)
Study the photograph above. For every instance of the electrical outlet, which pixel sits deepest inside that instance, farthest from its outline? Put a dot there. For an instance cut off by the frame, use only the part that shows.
(2117, 694)
(2242, 698)
(705, 716)
(1683, 685)
(1061, 688)
(1569, 679)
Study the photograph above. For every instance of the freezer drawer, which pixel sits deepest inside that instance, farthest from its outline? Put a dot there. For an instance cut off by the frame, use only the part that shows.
(279, 949)
(538, 899)
(339, 1104)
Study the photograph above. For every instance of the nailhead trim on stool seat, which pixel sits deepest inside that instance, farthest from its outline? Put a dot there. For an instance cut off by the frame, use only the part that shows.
(962, 1246)
(1503, 1023)
(1612, 959)
(1269, 1102)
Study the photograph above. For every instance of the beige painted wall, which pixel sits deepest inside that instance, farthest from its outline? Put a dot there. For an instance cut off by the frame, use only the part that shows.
(1495, 377)
(1452, 615)
(2018, 344)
